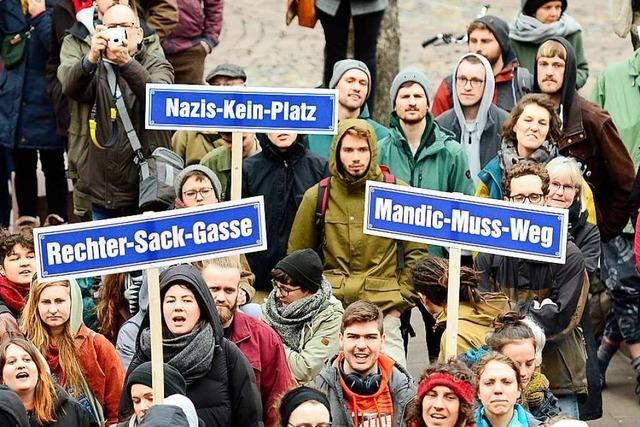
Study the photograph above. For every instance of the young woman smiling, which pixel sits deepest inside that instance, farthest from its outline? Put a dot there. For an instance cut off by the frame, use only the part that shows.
(85, 363)
(24, 371)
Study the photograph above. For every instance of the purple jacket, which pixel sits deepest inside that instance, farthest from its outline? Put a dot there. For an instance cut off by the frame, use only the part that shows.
(198, 20)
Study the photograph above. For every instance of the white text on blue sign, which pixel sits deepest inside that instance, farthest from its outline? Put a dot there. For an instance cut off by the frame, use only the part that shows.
(241, 109)
(164, 238)
(467, 222)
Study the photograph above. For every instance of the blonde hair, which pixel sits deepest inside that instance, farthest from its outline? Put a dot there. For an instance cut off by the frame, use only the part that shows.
(230, 262)
(552, 48)
(45, 392)
(568, 166)
(34, 328)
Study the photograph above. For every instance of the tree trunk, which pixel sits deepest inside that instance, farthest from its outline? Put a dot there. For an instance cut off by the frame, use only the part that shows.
(388, 61)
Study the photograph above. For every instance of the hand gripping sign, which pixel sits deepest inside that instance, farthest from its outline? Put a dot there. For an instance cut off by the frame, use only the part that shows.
(464, 222)
(147, 242)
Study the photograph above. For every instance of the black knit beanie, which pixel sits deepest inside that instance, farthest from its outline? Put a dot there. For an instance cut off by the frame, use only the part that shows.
(304, 266)
(530, 7)
(174, 382)
(297, 397)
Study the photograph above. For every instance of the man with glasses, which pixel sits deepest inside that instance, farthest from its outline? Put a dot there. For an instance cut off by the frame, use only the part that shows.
(474, 119)
(303, 311)
(554, 295)
(107, 172)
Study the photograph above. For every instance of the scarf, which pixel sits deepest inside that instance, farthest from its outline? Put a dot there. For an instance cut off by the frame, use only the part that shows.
(534, 394)
(528, 29)
(519, 418)
(508, 155)
(289, 320)
(191, 354)
(13, 294)
(53, 360)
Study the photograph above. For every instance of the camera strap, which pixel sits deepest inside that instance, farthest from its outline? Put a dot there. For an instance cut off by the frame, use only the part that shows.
(138, 158)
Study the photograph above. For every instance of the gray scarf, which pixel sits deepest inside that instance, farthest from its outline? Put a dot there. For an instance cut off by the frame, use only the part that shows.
(528, 29)
(289, 320)
(191, 354)
(471, 134)
(509, 157)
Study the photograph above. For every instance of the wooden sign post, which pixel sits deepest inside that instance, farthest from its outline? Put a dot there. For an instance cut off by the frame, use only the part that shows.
(155, 322)
(453, 301)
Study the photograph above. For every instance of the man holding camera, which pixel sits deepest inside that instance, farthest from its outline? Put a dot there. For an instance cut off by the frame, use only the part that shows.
(107, 172)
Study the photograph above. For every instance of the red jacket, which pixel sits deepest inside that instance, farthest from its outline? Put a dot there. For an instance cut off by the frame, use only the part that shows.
(102, 369)
(264, 350)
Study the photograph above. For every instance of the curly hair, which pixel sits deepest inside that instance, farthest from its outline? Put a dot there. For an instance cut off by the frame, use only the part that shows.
(457, 370)
(524, 168)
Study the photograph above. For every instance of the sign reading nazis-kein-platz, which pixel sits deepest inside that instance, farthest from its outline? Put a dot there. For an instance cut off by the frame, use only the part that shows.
(241, 109)
(150, 240)
(466, 222)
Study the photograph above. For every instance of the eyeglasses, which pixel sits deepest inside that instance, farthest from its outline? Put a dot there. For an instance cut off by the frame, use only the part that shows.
(204, 192)
(475, 83)
(533, 198)
(310, 425)
(566, 188)
(279, 287)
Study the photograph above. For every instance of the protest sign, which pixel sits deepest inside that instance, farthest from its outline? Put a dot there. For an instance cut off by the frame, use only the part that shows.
(242, 109)
(150, 240)
(464, 222)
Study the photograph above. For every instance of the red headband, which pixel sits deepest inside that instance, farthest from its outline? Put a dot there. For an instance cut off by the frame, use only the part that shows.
(462, 389)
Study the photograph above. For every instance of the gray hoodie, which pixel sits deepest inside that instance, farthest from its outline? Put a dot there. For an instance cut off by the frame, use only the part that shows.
(478, 147)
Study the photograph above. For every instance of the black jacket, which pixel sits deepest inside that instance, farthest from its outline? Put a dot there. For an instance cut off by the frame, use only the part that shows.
(586, 237)
(12, 412)
(69, 413)
(282, 178)
(227, 395)
(561, 291)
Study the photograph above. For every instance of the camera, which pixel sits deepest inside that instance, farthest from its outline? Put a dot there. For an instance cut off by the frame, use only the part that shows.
(116, 35)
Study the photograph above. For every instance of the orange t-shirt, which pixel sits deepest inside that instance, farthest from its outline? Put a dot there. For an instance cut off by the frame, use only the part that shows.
(375, 410)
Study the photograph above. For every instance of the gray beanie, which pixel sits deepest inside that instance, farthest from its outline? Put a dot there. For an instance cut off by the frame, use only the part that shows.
(178, 182)
(341, 67)
(410, 74)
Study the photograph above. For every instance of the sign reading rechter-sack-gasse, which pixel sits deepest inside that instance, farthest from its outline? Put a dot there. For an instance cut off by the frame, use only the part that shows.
(241, 109)
(150, 240)
(485, 225)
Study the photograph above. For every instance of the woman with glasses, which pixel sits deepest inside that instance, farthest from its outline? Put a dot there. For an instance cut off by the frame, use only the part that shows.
(304, 407)
(303, 311)
(530, 132)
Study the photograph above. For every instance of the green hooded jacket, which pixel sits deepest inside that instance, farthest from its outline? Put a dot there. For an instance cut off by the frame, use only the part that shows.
(358, 266)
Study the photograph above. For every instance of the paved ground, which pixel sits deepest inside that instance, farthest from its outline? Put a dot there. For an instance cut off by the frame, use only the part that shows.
(256, 37)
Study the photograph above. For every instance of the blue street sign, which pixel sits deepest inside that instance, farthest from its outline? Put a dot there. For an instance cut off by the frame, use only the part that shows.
(241, 109)
(455, 220)
(150, 240)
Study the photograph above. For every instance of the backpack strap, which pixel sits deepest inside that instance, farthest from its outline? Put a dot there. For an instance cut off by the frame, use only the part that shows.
(390, 179)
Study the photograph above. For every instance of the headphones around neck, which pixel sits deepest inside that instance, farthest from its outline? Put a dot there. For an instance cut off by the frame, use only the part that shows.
(364, 386)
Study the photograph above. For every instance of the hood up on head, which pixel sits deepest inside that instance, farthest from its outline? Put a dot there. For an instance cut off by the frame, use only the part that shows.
(500, 30)
(12, 410)
(487, 96)
(165, 416)
(75, 317)
(335, 166)
(188, 275)
(569, 79)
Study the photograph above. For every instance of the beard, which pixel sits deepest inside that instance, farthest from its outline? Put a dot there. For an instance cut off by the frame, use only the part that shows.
(225, 313)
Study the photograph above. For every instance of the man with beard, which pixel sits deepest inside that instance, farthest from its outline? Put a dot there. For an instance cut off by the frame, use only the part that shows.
(475, 121)
(260, 344)
(417, 150)
(353, 81)
(489, 36)
(358, 266)
(364, 386)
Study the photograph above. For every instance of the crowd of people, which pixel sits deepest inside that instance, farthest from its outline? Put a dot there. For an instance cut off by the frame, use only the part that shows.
(314, 330)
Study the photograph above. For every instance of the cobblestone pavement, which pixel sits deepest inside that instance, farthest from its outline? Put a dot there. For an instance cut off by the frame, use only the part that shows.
(256, 37)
